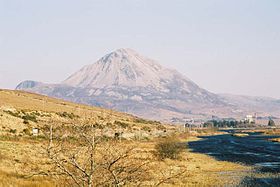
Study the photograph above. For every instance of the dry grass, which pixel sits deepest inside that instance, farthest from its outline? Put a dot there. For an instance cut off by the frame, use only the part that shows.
(29, 101)
(275, 139)
(272, 132)
(21, 157)
(15, 157)
(14, 179)
(240, 134)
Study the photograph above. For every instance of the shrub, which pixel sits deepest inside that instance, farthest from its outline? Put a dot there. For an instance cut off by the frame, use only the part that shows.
(26, 131)
(140, 120)
(169, 148)
(161, 127)
(98, 126)
(146, 128)
(100, 117)
(25, 122)
(15, 114)
(29, 117)
(121, 124)
(67, 115)
(35, 113)
(109, 124)
(23, 115)
(13, 131)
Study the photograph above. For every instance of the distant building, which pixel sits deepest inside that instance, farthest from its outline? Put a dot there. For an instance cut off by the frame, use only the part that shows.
(250, 118)
(191, 123)
(35, 131)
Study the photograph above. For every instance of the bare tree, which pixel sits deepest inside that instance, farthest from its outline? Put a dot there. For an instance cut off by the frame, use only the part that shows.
(86, 159)
(79, 154)
(170, 175)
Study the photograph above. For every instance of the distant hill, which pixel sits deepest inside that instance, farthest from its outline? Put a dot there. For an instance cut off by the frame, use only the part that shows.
(129, 82)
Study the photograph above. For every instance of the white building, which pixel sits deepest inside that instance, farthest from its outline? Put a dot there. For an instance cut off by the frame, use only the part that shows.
(250, 119)
(35, 131)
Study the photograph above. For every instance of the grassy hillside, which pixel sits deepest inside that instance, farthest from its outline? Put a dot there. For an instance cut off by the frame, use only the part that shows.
(21, 111)
(21, 100)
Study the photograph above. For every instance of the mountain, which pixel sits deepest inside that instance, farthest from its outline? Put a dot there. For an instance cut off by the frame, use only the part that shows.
(127, 81)
(252, 104)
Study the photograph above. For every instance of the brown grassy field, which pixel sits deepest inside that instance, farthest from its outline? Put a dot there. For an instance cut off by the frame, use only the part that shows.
(21, 157)
(21, 153)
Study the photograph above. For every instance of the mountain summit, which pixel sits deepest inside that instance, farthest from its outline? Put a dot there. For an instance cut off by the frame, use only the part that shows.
(125, 67)
(127, 81)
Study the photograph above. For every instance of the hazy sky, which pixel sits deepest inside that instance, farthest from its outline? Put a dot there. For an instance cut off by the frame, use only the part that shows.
(225, 46)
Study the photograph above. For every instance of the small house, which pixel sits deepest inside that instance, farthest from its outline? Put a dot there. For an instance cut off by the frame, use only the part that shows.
(35, 131)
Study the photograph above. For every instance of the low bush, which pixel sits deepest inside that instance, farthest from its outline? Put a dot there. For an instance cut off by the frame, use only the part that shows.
(67, 115)
(29, 117)
(146, 128)
(15, 114)
(98, 126)
(161, 127)
(26, 131)
(13, 131)
(121, 124)
(169, 148)
(140, 120)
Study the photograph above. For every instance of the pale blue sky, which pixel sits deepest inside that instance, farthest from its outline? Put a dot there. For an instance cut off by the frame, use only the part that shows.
(225, 46)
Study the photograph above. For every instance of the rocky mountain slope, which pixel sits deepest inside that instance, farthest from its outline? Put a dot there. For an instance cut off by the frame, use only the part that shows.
(127, 81)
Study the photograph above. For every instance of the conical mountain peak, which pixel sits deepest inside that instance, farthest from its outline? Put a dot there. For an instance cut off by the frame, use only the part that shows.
(123, 67)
